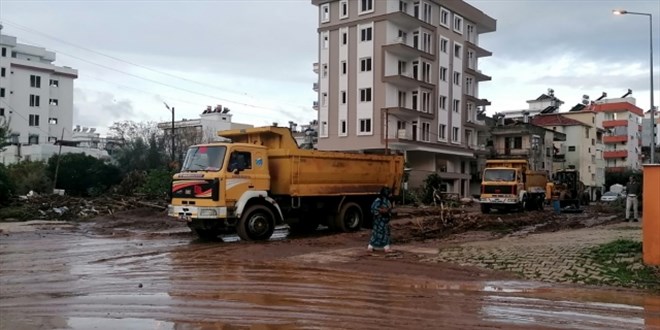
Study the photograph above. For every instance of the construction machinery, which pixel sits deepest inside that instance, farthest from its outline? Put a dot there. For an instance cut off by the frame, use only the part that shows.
(569, 188)
(262, 179)
(509, 184)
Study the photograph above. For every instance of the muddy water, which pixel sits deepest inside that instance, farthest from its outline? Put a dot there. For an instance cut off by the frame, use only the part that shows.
(70, 281)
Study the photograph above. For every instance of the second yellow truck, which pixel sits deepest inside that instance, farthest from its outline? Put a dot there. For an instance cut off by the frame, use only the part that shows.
(262, 179)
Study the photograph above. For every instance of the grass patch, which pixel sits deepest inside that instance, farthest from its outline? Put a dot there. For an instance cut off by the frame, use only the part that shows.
(621, 262)
(20, 213)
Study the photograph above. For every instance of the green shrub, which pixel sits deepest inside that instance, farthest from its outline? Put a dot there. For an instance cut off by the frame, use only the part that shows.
(157, 184)
(30, 175)
(432, 181)
(6, 185)
(82, 175)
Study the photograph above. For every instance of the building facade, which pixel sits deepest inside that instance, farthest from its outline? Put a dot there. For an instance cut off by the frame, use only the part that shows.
(623, 138)
(580, 150)
(36, 96)
(647, 134)
(403, 75)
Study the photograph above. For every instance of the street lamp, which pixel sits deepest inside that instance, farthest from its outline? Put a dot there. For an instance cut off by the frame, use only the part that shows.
(171, 110)
(625, 12)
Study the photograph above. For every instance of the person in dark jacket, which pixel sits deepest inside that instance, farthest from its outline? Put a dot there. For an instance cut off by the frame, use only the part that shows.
(633, 188)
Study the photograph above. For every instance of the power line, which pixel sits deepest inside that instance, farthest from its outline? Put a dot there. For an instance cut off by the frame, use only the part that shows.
(150, 69)
(13, 111)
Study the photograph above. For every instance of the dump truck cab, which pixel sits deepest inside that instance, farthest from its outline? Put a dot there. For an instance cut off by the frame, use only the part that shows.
(509, 184)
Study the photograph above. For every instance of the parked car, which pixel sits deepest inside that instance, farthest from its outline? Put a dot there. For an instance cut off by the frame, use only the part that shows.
(611, 196)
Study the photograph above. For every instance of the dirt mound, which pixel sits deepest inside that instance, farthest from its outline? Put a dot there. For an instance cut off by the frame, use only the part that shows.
(141, 219)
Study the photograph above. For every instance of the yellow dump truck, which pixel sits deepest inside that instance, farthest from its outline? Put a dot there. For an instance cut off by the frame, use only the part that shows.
(509, 184)
(261, 179)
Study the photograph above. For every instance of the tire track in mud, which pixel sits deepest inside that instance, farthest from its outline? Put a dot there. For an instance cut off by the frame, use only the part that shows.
(60, 281)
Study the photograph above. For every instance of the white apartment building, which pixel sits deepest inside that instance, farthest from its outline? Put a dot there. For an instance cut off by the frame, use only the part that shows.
(623, 139)
(206, 127)
(36, 96)
(403, 75)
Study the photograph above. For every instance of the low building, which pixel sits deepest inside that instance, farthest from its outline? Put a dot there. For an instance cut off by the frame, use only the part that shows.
(546, 103)
(205, 128)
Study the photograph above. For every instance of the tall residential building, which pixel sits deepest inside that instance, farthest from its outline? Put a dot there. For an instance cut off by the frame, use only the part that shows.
(647, 132)
(623, 140)
(36, 96)
(403, 75)
(580, 149)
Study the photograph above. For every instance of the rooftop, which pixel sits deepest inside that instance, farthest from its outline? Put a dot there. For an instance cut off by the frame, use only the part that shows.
(555, 120)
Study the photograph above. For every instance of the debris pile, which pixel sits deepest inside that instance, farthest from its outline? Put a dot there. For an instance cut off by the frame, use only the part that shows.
(57, 207)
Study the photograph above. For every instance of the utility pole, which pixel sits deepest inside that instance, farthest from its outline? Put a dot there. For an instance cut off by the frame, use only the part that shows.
(59, 157)
(172, 133)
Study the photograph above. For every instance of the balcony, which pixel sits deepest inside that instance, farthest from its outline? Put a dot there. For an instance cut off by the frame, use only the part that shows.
(616, 169)
(405, 21)
(615, 123)
(476, 124)
(315, 67)
(478, 75)
(477, 101)
(315, 87)
(615, 138)
(615, 154)
(478, 50)
(407, 113)
(406, 81)
(400, 48)
(315, 105)
(509, 152)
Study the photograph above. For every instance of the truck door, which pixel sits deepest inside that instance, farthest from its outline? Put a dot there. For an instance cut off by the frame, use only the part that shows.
(246, 170)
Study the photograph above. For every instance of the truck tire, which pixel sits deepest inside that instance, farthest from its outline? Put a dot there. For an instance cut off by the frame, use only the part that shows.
(485, 209)
(349, 218)
(256, 224)
(304, 226)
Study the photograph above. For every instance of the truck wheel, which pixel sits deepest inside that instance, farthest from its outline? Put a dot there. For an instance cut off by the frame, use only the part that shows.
(349, 218)
(485, 209)
(256, 224)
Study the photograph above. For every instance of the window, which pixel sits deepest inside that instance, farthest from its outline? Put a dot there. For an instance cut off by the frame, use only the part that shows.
(365, 125)
(427, 13)
(457, 78)
(457, 50)
(586, 132)
(34, 120)
(365, 95)
(458, 24)
(343, 97)
(443, 73)
(454, 134)
(344, 67)
(457, 105)
(324, 128)
(344, 38)
(54, 83)
(34, 100)
(35, 81)
(366, 6)
(517, 142)
(240, 160)
(426, 132)
(324, 99)
(52, 121)
(325, 70)
(444, 17)
(2, 92)
(571, 148)
(343, 9)
(33, 139)
(326, 41)
(2, 112)
(442, 131)
(342, 125)
(442, 102)
(426, 42)
(53, 102)
(4, 52)
(365, 34)
(2, 72)
(444, 43)
(593, 142)
(426, 102)
(365, 64)
(426, 72)
(325, 13)
(415, 97)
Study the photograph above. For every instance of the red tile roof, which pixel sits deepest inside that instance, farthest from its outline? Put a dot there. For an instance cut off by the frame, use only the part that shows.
(555, 120)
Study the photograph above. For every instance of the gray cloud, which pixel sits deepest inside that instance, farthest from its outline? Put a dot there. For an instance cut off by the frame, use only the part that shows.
(99, 109)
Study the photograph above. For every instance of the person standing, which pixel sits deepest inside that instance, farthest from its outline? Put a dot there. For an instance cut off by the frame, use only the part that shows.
(632, 189)
(381, 210)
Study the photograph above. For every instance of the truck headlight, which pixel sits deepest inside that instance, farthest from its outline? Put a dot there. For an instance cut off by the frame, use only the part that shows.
(208, 213)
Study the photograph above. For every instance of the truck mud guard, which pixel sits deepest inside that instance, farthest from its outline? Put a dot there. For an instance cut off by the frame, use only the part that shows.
(256, 194)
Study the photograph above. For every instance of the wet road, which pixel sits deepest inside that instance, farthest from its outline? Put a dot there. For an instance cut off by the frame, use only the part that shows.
(71, 281)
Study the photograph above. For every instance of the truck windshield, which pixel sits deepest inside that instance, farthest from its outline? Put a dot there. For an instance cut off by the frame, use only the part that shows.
(204, 158)
(500, 175)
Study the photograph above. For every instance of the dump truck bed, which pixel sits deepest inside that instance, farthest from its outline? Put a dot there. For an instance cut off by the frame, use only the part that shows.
(300, 173)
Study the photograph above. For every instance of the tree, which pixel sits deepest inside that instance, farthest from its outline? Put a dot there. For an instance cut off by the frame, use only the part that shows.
(83, 175)
(5, 132)
(143, 146)
(6, 185)
(30, 175)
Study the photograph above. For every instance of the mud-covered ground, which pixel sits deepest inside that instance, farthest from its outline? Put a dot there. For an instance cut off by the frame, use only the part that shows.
(141, 270)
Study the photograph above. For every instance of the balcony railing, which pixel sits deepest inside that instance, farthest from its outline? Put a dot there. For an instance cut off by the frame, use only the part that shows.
(315, 105)
(315, 67)
(614, 123)
(615, 154)
(615, 138)
(315, 87)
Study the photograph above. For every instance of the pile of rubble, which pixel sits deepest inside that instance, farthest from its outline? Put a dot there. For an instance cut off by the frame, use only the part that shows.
(58, 207)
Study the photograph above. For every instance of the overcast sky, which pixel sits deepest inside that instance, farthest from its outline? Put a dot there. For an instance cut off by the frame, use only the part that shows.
(255, 56)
